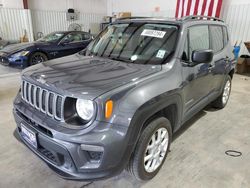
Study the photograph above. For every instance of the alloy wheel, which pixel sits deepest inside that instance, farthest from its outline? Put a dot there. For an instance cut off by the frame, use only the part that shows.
(37, 59)
(156, 150)
(226, 92)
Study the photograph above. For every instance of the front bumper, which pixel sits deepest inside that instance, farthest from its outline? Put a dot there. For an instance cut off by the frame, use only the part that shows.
(21, 61)
(4, 60)
(100, 153)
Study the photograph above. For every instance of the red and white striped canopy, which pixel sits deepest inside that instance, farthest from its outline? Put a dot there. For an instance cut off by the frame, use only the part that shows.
(198, 7)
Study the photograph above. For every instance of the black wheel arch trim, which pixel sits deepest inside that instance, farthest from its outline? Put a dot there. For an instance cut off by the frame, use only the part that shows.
(147, 110)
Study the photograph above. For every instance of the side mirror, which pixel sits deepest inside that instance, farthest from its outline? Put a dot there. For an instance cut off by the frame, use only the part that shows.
(202, 56)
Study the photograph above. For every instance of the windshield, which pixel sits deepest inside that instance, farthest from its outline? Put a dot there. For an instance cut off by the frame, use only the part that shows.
(136, 42)
(52, 37)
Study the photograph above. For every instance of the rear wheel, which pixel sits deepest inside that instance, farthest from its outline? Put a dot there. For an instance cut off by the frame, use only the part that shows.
(151, 149)
(222, 100)
(37, 57)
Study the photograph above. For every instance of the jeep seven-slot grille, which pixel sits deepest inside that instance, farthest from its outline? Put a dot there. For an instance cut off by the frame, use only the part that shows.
(46, 101)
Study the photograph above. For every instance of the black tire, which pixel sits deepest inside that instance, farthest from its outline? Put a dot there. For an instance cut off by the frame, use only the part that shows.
(37, 57)
(136, 165)
(219, 102)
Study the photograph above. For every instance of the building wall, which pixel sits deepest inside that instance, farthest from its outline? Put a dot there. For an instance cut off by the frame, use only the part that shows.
(236, 2)
(236, 15)
(84, 6)
(51, 18)
(14, 23)
(45, 16)
(142, 7)
(18, 4)
(49, 21)
(148, 6)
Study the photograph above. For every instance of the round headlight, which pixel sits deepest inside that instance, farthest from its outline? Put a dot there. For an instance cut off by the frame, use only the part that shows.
(85, 109)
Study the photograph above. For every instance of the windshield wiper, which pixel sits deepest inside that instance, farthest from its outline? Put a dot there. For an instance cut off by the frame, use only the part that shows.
(120, 59)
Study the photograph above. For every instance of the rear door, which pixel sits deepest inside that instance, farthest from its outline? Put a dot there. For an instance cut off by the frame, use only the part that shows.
(219, 41)
(197, 78)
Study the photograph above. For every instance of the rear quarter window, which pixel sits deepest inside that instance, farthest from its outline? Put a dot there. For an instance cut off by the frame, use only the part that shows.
(225, 35)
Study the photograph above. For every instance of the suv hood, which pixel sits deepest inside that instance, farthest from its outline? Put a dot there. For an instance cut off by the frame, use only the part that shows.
(86, 77)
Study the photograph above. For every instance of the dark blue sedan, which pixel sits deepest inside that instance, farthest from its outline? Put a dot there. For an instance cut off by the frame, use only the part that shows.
(54, 45)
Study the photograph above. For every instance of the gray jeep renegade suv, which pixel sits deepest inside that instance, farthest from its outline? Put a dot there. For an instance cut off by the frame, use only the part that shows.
(118, 103)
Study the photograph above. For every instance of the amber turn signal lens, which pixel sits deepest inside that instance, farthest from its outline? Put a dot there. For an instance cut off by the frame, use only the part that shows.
(108, 109)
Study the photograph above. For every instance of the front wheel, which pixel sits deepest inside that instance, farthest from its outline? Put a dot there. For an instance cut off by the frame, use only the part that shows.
(222, 100)
(37, 57)
(151, 149)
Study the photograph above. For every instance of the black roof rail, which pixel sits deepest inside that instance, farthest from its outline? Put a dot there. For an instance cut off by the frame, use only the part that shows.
(192, 17)
(135, 17)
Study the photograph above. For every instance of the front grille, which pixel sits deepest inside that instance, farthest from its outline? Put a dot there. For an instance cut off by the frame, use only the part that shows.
(46, 101)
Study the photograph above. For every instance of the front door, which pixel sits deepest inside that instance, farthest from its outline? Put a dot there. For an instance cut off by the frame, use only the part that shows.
(70, 44)
(197, 85)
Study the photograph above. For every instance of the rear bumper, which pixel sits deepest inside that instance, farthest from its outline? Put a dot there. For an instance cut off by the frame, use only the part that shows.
(99, 154)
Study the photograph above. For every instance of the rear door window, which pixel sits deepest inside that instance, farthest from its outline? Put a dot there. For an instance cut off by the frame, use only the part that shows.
(217, 38)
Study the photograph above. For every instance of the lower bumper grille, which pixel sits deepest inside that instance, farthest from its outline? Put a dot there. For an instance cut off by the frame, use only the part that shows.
(48, 155)
(56, 158)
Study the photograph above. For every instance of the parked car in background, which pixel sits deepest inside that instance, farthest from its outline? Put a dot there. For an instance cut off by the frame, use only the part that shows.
(53, 45)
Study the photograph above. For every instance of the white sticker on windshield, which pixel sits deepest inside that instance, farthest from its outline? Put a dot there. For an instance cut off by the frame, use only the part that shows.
(161, 54)
(153, 33)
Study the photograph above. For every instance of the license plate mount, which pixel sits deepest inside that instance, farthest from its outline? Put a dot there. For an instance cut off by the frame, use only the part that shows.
(29, 136)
